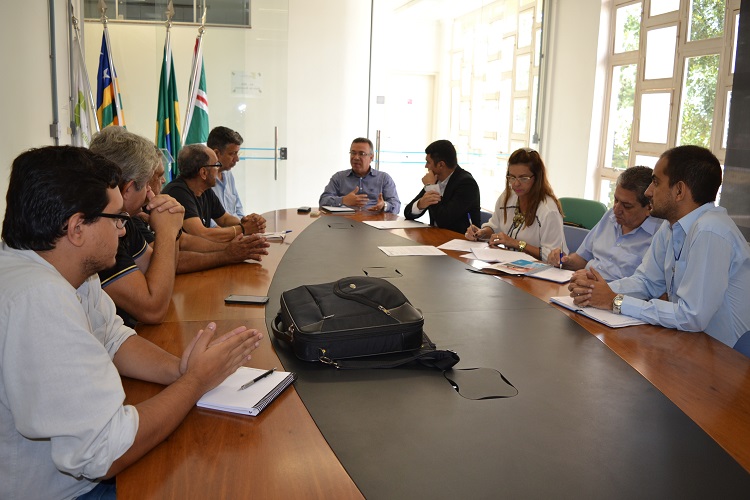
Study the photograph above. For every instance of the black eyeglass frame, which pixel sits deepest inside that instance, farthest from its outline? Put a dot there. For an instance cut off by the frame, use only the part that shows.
(122, 218)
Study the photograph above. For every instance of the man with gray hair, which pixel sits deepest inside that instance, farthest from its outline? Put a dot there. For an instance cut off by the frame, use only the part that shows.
(198, 166)
(142, 279)
(616, 245)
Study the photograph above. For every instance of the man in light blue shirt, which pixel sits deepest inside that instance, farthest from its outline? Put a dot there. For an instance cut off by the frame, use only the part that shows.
(226, 144)
(696, 274)
(615, 246)
(361, 186)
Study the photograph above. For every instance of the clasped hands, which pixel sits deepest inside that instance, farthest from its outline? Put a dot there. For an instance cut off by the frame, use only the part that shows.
(253, 223)
(588, 288)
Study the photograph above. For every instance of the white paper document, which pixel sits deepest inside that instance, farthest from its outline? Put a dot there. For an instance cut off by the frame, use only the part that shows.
(489, 254)
(553, 274)
(603, 316)
(462, 245)
(395, 224)
(411, 250)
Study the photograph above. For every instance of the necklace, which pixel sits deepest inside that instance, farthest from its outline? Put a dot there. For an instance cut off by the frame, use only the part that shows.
(518, 218)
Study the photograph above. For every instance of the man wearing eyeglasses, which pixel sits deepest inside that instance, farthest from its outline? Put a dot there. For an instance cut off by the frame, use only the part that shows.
(64, 427)
(226, 144)
(361, 187)
(142, 279)
(450, 193)
(199, 167)
(198, 254)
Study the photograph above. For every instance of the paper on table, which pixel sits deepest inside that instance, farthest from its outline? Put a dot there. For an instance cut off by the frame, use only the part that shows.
(603, 316)
(462, 245)
(553, 274)
(519, 267)
(250, 401)
(489, 254)
(395, 224)
(411, 250)
(279, 235)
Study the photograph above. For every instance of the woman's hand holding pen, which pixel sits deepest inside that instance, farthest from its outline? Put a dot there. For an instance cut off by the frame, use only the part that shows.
(557, 258)
(476, 234)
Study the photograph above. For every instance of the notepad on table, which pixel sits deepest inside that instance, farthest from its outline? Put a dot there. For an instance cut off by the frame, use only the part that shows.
(250, 401)
(603, 316)
(276, 235)
(337, 210)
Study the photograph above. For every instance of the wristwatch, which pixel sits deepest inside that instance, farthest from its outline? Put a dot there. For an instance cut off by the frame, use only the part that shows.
(617, 303)
(521, 246)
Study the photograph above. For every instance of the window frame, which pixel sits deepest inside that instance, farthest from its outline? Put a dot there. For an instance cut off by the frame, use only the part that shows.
(722, 46)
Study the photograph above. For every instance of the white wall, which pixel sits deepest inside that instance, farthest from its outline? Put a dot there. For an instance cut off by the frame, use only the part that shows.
(26, 87)
(329, 53)
(567, 126)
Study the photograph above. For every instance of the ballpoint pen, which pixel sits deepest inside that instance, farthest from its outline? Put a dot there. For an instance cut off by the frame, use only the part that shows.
(468, 214)
(561, 256)
(262, 375)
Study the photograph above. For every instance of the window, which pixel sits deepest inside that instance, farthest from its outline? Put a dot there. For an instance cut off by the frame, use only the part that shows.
(218, 12)
(671, 65)
(497, 72)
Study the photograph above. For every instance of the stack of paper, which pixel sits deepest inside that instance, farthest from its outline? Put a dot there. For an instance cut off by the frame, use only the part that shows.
(463, 245)
(251, 401)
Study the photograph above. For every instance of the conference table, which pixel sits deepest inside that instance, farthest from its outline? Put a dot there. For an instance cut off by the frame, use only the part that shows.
(600, 412)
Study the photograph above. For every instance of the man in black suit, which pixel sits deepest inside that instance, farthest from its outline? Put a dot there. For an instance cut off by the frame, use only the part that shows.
(450, 193)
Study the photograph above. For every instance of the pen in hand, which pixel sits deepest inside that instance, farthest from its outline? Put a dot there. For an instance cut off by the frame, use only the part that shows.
(561, 256)
(472, 227)
(262, 375)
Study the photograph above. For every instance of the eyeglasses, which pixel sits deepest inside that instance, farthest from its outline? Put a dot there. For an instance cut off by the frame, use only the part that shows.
(217, 165)
(523, 179)
(361, 154)
(120, 219)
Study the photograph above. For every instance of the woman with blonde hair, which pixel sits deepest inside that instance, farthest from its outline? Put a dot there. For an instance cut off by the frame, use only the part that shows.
(528, 217)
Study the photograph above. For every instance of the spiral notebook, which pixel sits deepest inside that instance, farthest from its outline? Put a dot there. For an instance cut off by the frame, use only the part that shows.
(250, 401)
(603, 316)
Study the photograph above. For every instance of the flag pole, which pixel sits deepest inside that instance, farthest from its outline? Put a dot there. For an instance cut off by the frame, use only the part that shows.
(194, 76)
(105, 20)
(168, 41)
(90, 95)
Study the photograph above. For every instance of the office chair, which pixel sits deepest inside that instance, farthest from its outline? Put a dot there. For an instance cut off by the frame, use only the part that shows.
(485, 216)
(743, 344)
(582, 213)
(574, 236)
